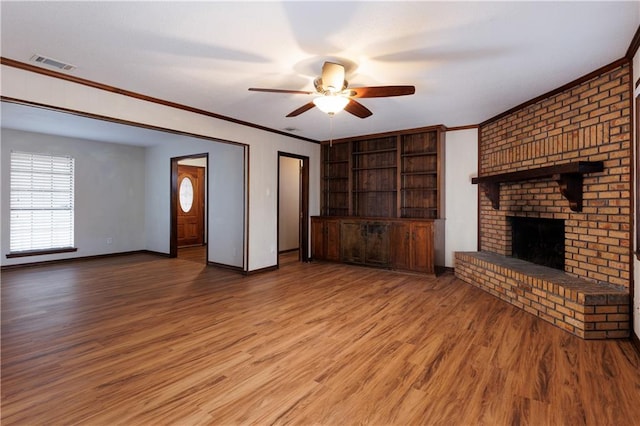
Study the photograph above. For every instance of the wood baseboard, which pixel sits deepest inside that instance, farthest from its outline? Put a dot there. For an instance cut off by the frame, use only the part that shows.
(444, 269)
(288, 251)
(635, 340)
(223, 266)
(261, 270)
(81, 259)
(156, 253)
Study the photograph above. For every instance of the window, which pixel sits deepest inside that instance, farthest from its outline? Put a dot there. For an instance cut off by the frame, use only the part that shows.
(41, 204)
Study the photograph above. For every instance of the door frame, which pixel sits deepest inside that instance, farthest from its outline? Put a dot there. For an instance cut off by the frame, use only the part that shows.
(173, 233)
(303, 236)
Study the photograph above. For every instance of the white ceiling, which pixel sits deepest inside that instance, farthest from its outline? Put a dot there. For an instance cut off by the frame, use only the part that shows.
(469, 61)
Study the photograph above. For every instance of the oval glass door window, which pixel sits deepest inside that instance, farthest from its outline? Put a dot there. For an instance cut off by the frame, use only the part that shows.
(186, 194)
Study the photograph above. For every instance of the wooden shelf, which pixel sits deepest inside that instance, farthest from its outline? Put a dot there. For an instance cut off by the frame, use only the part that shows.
(569, 177)
(364, 191)
(419, 154)
(374, 151)
(419, 173)
(420, 208)
(357, 169)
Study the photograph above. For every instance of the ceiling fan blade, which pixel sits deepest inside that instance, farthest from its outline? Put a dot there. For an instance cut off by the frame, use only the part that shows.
(332, 76)
(381, 91)
(300, 92)
(303, 108)
(357, 109)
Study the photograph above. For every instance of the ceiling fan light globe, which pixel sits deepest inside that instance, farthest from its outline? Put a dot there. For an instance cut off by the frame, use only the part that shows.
(331, 104)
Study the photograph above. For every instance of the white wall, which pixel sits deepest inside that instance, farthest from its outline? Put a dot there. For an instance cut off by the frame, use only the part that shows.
(289, 229)
(263, 194)
(636, 263)
(109, 193)
(224, 190)
(263, 154)
(461, 202)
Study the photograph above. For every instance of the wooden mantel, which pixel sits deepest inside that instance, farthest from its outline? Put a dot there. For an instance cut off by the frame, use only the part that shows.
(569, 177)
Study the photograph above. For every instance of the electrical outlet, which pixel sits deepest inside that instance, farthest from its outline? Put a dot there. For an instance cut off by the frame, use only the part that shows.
(109, 240)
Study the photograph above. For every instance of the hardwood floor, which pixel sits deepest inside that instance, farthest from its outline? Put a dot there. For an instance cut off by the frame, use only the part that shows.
(196, 254)
(149, 340)
(289, 258)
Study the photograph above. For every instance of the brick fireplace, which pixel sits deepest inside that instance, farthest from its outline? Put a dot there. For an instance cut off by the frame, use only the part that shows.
(588, 122)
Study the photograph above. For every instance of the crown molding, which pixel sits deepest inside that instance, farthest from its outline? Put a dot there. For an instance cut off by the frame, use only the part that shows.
(116, 120)
(55, 74)
(634, 45)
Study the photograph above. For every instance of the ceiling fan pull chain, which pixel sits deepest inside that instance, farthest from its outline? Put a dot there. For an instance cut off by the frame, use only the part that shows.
(331, 130)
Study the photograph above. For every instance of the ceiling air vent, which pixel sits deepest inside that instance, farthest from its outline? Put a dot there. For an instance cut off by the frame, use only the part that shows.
(53, 63)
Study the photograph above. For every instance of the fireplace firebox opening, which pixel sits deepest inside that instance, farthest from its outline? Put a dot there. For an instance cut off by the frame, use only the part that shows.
(538, 240)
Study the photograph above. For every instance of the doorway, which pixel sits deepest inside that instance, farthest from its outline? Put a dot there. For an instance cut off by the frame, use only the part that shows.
(189, 207)
(293, 208)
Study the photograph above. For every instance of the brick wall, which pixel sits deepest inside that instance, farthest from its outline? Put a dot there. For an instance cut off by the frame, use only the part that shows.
(589, 122)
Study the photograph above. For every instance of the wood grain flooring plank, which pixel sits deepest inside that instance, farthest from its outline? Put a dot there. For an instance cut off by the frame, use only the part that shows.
(141, 339)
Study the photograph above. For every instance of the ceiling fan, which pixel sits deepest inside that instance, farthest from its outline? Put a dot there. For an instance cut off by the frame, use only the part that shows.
(333, 95)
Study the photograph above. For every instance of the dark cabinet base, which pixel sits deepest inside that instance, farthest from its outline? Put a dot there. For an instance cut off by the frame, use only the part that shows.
(400, 244)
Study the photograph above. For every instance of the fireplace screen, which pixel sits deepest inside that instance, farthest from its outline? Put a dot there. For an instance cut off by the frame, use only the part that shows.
(538, 241)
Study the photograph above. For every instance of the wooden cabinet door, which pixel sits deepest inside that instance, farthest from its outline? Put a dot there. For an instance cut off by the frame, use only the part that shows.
(353, 242)
(332, 240)
(317, 238)
(400, 238)
(422, 249)
(377, 244)
(190, 205)
(325, 239)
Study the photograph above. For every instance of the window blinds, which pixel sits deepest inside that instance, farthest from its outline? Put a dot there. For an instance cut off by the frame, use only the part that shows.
(41, 202)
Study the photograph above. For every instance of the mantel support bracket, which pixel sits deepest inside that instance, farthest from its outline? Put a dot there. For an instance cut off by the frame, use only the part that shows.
(571, 189)
(492, 192)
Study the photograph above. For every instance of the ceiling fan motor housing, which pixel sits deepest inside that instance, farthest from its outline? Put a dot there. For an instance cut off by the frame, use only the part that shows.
(321, 88)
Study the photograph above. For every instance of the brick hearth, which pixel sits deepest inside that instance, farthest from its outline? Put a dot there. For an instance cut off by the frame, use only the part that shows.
(586, 309)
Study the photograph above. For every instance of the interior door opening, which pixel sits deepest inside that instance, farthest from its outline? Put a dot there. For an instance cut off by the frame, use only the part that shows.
(293, 208)
(189, 208)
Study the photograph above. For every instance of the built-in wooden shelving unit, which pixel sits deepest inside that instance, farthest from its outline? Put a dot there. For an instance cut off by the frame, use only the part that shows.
(394, 175)
(381, 198)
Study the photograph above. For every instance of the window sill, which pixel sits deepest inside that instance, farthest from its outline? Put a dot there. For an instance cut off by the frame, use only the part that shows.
(40, 252)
